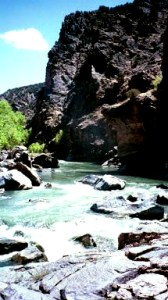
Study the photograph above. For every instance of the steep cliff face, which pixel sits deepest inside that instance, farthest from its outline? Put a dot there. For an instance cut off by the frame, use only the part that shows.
(162, 106)
(98, 81)
(24, 98)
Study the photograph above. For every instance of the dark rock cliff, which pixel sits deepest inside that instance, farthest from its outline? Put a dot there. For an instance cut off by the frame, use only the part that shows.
(99, 84)
(163, 106)
(24, 98)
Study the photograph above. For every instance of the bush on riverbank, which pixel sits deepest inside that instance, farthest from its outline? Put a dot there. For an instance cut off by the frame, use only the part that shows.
(36, 148)
(12, 127)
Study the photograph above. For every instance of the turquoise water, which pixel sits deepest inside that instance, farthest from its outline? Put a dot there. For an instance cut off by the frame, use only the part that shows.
(53, 216)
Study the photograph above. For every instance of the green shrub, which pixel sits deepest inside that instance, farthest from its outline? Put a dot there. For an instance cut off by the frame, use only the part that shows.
(36, 148)
(156, 82)
(59, 136)
(12, 127)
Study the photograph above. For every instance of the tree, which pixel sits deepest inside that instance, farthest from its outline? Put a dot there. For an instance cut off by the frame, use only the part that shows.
(12, 127)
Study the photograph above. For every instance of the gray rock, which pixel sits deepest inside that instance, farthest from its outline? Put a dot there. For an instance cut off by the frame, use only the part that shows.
(104, 183)
(86, 240)
(144, 209)
(14, 180)
(9, 245)
(146, 286)
(30, 254)
(155, 212)
(15, 292)
(28, 172)
(109, 182)
(46, 161)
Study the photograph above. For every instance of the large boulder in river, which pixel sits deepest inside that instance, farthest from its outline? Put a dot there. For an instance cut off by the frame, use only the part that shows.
(144, 209)
(46, 161)
(14, 180)
(104, 183)
(28, 172)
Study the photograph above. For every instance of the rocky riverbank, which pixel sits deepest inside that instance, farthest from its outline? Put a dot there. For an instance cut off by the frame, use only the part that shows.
(18, 170)
(137, 271)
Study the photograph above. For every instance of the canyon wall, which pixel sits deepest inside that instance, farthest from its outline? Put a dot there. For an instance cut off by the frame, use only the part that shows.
(100, 88)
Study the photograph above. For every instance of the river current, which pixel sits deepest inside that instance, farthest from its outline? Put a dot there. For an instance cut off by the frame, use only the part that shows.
(53, 216)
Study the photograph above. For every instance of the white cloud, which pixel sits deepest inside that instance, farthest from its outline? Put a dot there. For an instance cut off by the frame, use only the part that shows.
(27, 39)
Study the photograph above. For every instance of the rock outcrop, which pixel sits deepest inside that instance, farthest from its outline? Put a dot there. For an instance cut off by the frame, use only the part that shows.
(98, 87)
(23, 98)
(137, 271)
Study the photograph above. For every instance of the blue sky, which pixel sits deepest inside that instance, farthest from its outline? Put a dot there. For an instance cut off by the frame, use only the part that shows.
(28, 30)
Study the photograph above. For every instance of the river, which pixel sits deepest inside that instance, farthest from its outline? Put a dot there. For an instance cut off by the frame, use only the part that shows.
(54, 216)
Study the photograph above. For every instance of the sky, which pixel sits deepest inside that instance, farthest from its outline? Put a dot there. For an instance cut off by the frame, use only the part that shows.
(28, 30)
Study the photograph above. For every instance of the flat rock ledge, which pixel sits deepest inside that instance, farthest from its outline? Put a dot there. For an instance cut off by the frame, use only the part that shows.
(137, 271)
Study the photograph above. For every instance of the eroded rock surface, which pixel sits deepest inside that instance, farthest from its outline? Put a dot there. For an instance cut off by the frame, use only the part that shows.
(99, 88)
(131, 273)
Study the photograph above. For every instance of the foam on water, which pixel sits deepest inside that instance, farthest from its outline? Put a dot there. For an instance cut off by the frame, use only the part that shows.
(58, 240)
(53, 216)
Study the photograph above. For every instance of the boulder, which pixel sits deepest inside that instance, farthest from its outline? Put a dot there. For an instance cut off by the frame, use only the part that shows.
(134, 239)
(24, 158)
(132, 198)
(109, 182)
(28, 172)
(90, 179)
(86, 240)
(46, 161)
(14, 180)
(30, 254)
(9, 245)
(104, 183)
(155, 212)
(162, 200)
(144, 208)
